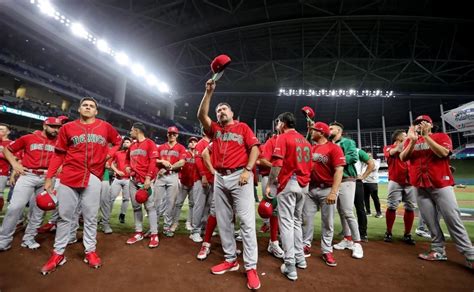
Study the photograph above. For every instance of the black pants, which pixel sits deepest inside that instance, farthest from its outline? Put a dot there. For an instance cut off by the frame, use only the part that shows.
(360, 208)
(372, 190)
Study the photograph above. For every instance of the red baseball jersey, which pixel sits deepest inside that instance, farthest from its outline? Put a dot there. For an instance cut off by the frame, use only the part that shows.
(171, 154)
(189, 173)
(397, 169)
(4, 164)
(326, 157)
(201, 167)
(37, 150)
(82, 150)
(425, 168)
(141, 157)
(266, 152)
(120, 160)
(232, 144)
(293, 154)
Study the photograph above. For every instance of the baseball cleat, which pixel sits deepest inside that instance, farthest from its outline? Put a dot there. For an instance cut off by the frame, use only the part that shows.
(174, 226)
(301, 264)
(387, 237)
(408, 240)
(253, 282)
(307, 251)
(378, 215)
(93, 260)
(5, 248)
(47, 227)
(289, 272)
(265, 228)
(189, 227)
(423, 233)
(107, 229)
(470, 263)
(31, 244)
(433, 256)
(204, 251)
(329, 259)
(357, 251)
(138, 236)
(224, 267)
(196, 237)
(154, 241)
(275, 249)
(122, 218)
(344, 244)
(54, 262)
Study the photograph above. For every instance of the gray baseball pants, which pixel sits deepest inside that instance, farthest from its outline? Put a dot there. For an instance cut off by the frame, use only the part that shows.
(345, 207)
(25, 191)
(398, 193)
(138, 211)
(204, 204)
(444, 199)
(230, 197)
(290, 210)
(69, 199)
(183, 193)
(166, 190)
(316, 199)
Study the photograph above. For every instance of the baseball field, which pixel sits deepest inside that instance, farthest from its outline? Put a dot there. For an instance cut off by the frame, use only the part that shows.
(173, 265)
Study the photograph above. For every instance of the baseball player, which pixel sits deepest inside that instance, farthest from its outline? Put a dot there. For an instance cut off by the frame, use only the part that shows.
(428, 156)
(188, 177)
(4, 165)
(371, 189)
(205, 197)
(235, 151)
(38, 150)
(82, 149)
(290, 175)
(399, 188)
(345, 202)
(264, 164)
(171, 157)
(105, 205)
(364, 167)
(121, 180)
(326, 176)
(141, 164)
(263, 167)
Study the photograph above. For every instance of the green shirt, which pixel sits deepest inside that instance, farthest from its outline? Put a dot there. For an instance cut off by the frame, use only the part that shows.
(350, 152)
(106, 175)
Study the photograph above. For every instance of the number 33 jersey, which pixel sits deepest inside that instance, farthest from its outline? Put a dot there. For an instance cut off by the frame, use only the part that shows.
(293, 154)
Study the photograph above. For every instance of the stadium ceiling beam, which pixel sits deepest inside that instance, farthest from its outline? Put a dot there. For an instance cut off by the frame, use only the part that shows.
(225, 9)
(307, 20)
(311, 5)
(132, 14)
(429, 72)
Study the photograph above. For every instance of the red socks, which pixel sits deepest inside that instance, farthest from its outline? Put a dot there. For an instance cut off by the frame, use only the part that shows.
(348, 237)
(274, 228)
(390, 219)
(408, 219)
(210, 226)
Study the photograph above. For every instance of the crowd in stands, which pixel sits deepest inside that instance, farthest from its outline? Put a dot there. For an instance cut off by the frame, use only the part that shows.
(45, 75)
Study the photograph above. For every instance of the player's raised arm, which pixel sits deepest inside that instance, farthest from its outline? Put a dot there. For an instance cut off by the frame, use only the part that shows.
(203, 111)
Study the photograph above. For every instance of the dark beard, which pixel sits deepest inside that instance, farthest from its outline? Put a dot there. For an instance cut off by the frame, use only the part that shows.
(331, 137)
(50, 136)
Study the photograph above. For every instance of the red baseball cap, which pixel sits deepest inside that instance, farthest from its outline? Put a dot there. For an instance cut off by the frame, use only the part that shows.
(173, 129)
(219, 63)
(64, 119)
(421, 118)
(308, 111)
(193, 138)
(53, 121)
(321, 127)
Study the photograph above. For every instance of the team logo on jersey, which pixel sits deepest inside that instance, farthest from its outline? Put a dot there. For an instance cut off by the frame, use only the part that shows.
(138, 152)
(169, 153)
(421, 146)
(90, 138)
(226, 137)
(46, 147)
(189, 160)
(320, 158)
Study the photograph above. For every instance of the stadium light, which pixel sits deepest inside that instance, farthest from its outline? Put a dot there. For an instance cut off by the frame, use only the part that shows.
(138, 70)
(122, 59)
(102, 45)
(335, 92)
(79, 30)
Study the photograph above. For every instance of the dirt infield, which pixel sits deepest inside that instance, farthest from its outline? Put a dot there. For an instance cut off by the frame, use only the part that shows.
(173, 267)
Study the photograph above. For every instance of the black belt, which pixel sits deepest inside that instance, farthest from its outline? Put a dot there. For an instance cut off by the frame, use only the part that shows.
(228, 171)
(321, 185)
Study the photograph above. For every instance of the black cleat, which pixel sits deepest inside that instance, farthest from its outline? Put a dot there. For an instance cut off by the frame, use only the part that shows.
(387, 237)
(122, 218)
(408, 240)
